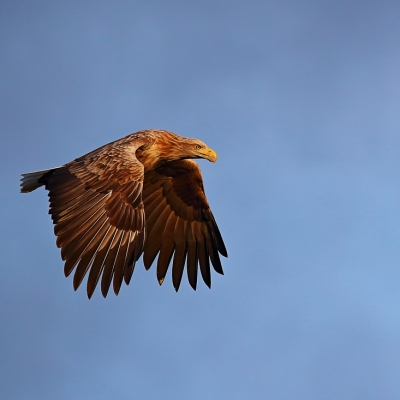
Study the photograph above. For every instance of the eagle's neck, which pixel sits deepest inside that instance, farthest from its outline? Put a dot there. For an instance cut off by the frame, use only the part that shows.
(166, 147)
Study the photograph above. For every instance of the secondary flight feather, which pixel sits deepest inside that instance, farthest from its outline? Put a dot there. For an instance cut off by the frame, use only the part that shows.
(142, 194)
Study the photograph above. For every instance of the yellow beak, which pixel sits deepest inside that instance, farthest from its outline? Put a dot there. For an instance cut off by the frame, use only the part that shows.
(209, 154)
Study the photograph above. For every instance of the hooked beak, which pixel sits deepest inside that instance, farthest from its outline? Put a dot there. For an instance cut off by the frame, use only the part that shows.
(208, 153)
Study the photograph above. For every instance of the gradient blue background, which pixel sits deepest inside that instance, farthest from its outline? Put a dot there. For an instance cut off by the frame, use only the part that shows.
(301, 101)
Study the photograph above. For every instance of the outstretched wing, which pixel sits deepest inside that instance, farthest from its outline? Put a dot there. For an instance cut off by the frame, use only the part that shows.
(96, 206)
(180, 224)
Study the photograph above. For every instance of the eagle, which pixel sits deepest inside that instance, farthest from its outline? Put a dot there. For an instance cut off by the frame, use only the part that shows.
(142, 194)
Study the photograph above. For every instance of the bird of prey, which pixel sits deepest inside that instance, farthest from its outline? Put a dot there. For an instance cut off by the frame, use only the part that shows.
(142, 194)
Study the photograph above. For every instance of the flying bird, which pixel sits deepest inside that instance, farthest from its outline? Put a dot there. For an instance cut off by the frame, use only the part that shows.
(142, 194)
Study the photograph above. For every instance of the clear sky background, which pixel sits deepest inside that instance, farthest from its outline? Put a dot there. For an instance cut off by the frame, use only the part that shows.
(301, 101)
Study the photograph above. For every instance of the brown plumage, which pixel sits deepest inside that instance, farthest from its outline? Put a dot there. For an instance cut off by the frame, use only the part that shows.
(139, 194)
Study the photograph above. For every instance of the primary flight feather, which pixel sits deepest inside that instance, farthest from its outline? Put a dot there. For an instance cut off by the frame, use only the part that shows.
(141, 194)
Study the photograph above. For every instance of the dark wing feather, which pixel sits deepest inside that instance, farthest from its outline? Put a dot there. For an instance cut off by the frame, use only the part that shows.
(180, 224)
(96, 206)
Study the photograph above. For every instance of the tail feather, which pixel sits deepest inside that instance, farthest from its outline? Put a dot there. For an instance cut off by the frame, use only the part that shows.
(30, 180)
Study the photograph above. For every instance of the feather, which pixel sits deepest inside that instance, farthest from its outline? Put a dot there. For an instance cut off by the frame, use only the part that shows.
(63, 209)
(153, 242)
(88, 254)
(109, 263)
(80, 221)
(120, 262)
(191, 256)
(139, 245)
(73, 250)
(202, 253)
(130, 263)
(99, 260)
(152, 213)
(76, 234)
(180, 253)
(166, 248)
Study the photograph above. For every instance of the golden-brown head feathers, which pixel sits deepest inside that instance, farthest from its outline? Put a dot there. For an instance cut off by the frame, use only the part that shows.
(168, 146)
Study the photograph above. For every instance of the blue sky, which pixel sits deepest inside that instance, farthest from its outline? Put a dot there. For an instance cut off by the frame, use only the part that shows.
(301, 102)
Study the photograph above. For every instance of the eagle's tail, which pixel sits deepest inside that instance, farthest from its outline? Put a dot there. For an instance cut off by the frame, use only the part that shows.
(33, 180)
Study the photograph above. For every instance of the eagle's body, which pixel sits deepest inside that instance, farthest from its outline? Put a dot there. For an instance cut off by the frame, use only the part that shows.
(139, 194)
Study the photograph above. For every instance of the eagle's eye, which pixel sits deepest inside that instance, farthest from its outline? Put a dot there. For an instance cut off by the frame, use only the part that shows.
(198, 146)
